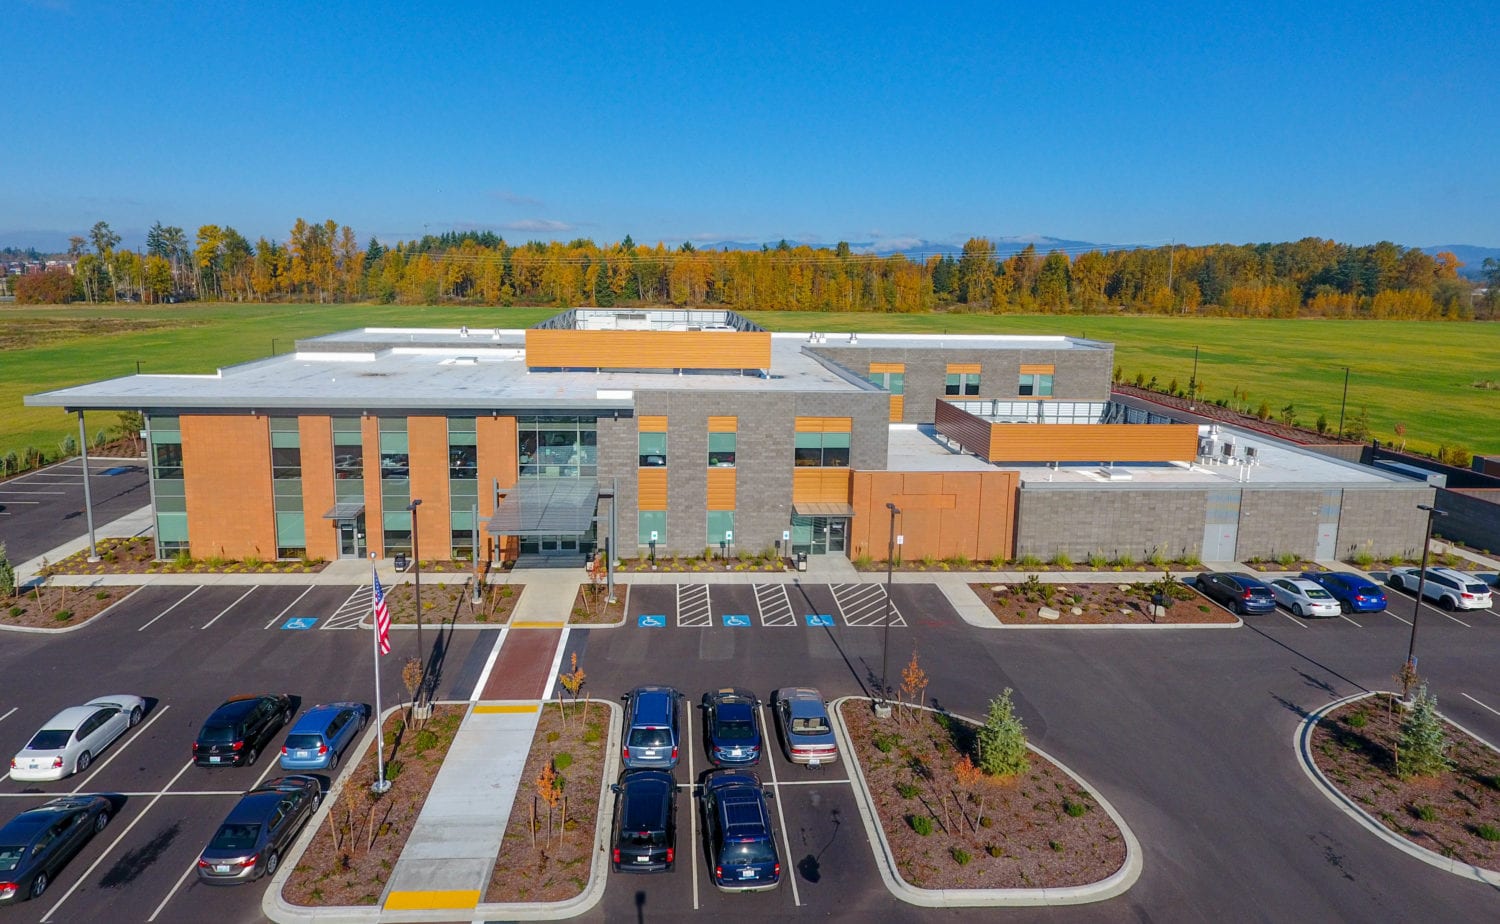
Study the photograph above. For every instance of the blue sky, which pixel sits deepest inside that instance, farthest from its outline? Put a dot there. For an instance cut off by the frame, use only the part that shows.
(1129, 123)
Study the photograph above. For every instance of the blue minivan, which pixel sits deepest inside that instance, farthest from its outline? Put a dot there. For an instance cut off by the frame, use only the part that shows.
(321, 736)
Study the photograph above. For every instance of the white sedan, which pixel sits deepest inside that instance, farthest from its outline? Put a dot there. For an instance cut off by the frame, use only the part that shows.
(1304, 598)
(70, 740)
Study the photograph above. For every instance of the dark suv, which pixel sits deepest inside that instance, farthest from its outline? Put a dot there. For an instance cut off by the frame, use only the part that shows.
(732, 727)
(1237, 591)
(737, 826)
(645, 831)
(653, 728)
(240, 729)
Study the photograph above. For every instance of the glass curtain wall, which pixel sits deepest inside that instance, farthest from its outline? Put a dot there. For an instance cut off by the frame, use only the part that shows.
(463, 484)
(557, 447)
(286, 483)
(395, 486)
(166, 477)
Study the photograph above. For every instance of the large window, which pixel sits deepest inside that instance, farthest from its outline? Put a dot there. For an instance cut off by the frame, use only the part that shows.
(1036, 385)
(893, 382)
(653, 523)
(395, 485)
(463, 484)
(721, 449)
(166, 475)
(557, 447)
(962, 383)
(826, 450)
(720, 526)
(286, 483)
(653, 449)
(348, 460)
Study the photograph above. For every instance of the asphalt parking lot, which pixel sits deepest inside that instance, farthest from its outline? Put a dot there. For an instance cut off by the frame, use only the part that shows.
(187, 648)
(43, 509)
(1188, 732)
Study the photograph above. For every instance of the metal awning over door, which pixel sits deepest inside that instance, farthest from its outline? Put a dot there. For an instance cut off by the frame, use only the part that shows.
(546, 507)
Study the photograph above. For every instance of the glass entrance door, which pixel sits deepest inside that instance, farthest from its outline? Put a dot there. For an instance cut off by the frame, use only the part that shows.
(820, 535)
(352, 538)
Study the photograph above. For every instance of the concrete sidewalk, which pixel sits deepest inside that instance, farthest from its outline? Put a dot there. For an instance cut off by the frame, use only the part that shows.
(450, 855)
(135, 523)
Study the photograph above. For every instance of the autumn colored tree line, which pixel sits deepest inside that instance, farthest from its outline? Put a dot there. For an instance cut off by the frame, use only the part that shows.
(326, 263)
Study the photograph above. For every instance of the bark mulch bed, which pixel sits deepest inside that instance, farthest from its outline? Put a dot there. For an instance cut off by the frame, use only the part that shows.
(1456, 814)
(354, 870)
(57, 607)
(680, 564)
(451, 602)
(1037, 830)
(592, 606)
(1096, 604)
(1284, 563)
(553, 864)
(136, 555)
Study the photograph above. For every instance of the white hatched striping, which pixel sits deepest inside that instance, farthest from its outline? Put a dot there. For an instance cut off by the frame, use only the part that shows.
(693, 610)
(774, 605)
(358, 605)
(865, 605)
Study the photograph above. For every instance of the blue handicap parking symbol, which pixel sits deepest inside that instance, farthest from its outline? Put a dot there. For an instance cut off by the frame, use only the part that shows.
(819, 619)
(736, 619)
(653, 621)
(300, 622)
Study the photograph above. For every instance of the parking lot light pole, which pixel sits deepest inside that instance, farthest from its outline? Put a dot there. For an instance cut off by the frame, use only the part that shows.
(890, 564)
(1416, 610)
(416, 564)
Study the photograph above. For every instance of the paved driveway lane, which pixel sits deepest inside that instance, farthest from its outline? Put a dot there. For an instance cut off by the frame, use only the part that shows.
(652, 600)
(42, 510)
(736, 600)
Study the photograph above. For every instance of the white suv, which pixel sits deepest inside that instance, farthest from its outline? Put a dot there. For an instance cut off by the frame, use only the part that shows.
(1451, 589)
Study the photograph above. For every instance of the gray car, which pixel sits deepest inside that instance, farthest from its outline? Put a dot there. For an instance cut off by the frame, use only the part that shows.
(806, 732)
(258, 830)
(653, 728)
(37, 843)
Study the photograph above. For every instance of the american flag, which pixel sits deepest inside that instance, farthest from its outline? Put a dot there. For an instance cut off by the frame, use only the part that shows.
(382, 618)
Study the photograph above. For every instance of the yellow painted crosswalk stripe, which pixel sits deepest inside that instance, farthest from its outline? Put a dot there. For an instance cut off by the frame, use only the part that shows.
(508, 708)
(435, 899)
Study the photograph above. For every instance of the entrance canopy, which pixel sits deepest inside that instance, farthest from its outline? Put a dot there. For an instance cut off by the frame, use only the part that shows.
(345, 511)
(805, 509)
(546, 507)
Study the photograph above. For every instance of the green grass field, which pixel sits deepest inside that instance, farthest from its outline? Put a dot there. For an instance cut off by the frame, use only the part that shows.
(1423, 374)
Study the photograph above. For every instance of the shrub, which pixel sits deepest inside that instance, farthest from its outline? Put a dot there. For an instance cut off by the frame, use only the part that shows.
(1062, 560)
(1424, 746)
(1286, 560)
(961, 856)
(994, 851)
(1424, 812)
(1357, 720)
(562, 761)
(1124, 561)
(425, 740)
(1030, 561)
(908, 790)
(1055, 846)
(101, 595)
(1097, 561)
(1488, 832)
(885, 743)
(16, 611)
(921, 824)
(1074, 809)
(1363, 559)
(1002, 739)
(63, 615)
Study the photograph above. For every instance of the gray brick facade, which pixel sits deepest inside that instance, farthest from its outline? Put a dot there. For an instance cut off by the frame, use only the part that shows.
(1383, 522)
(1083, 520)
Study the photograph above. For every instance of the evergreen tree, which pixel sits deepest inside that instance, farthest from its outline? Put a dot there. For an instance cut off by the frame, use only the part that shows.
(1002, 739)
(7, 575)
(1424, 747)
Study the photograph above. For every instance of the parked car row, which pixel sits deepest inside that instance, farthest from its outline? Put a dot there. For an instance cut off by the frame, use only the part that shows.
(1329, 593)
(254, 835)
(737, 830)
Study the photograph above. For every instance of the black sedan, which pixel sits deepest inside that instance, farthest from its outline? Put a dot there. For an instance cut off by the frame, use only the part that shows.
(258, 830)
(37, 843)
(732, 727)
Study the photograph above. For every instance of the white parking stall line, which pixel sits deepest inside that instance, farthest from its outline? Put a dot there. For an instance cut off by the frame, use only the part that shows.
(694, 611)
(175, 886)
(9, 713)
(9, 491)
(32, 503)
(231, 606)
(808, 782)
(1457, 620)
(1395, 617)
(1479, 704)
(692, 805)
(170, 608)
(774, 605)
(142, 794)
(865, 605)
(1350, 621)
(113, 844)
(277, 618)
(1295, 620)
(786, 841)
(156, 714)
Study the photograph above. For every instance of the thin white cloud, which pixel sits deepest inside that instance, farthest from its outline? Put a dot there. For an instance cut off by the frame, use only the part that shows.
(538, 226)
(514, 198)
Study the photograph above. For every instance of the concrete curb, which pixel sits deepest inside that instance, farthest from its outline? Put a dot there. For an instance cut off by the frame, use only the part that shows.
(605, 625)
(1117, 883)
(37, 630)
(1302, 742)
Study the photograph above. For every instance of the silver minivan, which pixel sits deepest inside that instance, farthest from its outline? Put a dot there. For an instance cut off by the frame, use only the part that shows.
(653, 728)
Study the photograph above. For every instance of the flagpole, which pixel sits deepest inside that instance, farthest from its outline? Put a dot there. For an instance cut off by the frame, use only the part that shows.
(382, 785)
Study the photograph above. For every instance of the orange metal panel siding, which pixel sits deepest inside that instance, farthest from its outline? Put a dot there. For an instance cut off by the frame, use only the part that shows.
(369, 432)
(996, 534)
(721, 489)
(723, 424)
(647, 349)
(824, 424)
(651, 423)
(495, 439)
(820, 485)
(942, 515)
(1037, 369)
(427, 444)
(651, 489)
(963, 368)
(1093, 442)
(315, 434)
(226, 463)
(887, 367)
(898, 407)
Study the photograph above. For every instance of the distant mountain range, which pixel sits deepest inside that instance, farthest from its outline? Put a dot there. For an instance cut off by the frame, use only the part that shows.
(917, 249)
(1470, 256)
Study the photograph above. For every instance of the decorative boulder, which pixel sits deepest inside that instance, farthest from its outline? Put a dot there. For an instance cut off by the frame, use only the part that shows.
(1048, 612)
